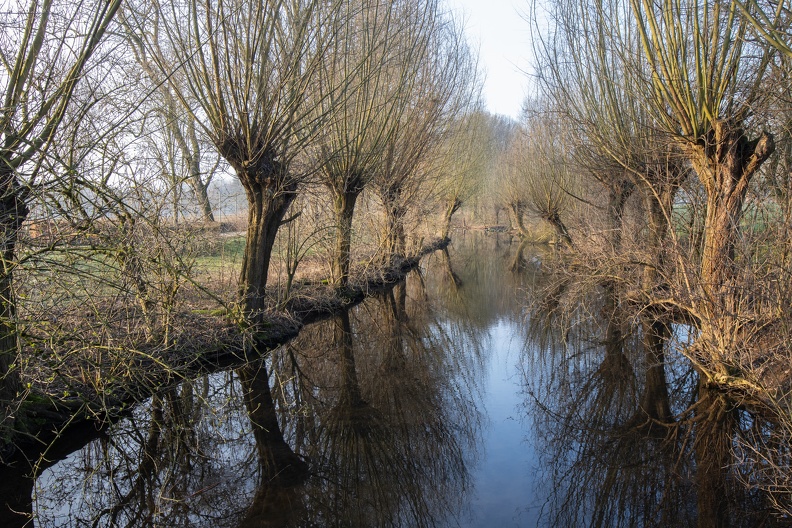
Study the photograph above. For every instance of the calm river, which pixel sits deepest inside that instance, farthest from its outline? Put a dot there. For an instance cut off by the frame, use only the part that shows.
(440, 403)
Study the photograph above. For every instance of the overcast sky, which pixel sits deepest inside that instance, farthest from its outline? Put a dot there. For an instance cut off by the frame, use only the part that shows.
(503, 38)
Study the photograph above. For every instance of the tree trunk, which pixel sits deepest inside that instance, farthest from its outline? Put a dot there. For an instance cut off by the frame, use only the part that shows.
(16, 490)
(202, 195)
(13, 212)
(455, 280)
(351, 395)
(725, 162)
(518, 262)
(269, 197)
(516, 212)
(191, 152)
(561, 230)
(395, 241)
(619, 191)
(10, 383)
(197, 182)
(721, 227)
(656, 239)
(344, 211)
(452, 208)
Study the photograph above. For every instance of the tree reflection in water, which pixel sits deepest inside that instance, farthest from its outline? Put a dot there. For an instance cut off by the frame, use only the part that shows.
(629, 435)
(276, 501)
(383, 399)
(363, 420)
(374, 418)
(176, 461)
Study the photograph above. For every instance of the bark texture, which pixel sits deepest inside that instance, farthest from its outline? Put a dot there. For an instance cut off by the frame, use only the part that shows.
(725, 160)
(269, 192)
(13, 212)
(345, 210)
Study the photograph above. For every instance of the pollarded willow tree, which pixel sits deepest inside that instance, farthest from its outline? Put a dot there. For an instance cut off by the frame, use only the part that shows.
(706, 79)
(541, 174)
(681, 84)
(366, 86)
(46, 47)
(583, 79)
(693, 83)
(590, 75)
(510, 190)
(464, 161)
(244, 71)
(444, 92)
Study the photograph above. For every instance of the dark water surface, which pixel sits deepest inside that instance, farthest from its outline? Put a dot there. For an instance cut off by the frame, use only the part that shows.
(439, 403)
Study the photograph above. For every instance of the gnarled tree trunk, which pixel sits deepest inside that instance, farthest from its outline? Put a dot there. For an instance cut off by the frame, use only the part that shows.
(198, 184)
(725, 161)
(269, 192)
(554, 219)
(344, 211)
(453, 207)
(516, 214)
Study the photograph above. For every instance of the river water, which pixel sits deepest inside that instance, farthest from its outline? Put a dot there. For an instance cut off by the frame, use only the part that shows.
(439, 403)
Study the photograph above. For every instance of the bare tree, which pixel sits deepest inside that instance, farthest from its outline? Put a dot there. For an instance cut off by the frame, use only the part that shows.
(175, 137)
(706, 78)
(657, 89)
(542, 173)
(464, 162)
(590, 74)
(243, 71)
(183, 158)
(366, 86)
(45, 48)
(446, 90)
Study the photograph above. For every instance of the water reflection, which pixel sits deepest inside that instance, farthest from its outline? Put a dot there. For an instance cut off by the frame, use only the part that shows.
(631, 437)
(397, 412)
(367, 419)
(280, 468)
(380, 393)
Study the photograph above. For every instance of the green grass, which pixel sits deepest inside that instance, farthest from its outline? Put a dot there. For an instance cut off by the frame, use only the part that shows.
(228, 253)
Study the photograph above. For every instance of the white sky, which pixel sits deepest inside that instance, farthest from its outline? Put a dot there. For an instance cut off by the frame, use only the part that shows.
(503, 39)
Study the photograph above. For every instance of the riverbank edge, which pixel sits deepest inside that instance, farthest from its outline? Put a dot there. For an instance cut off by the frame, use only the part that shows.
(46, 420)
